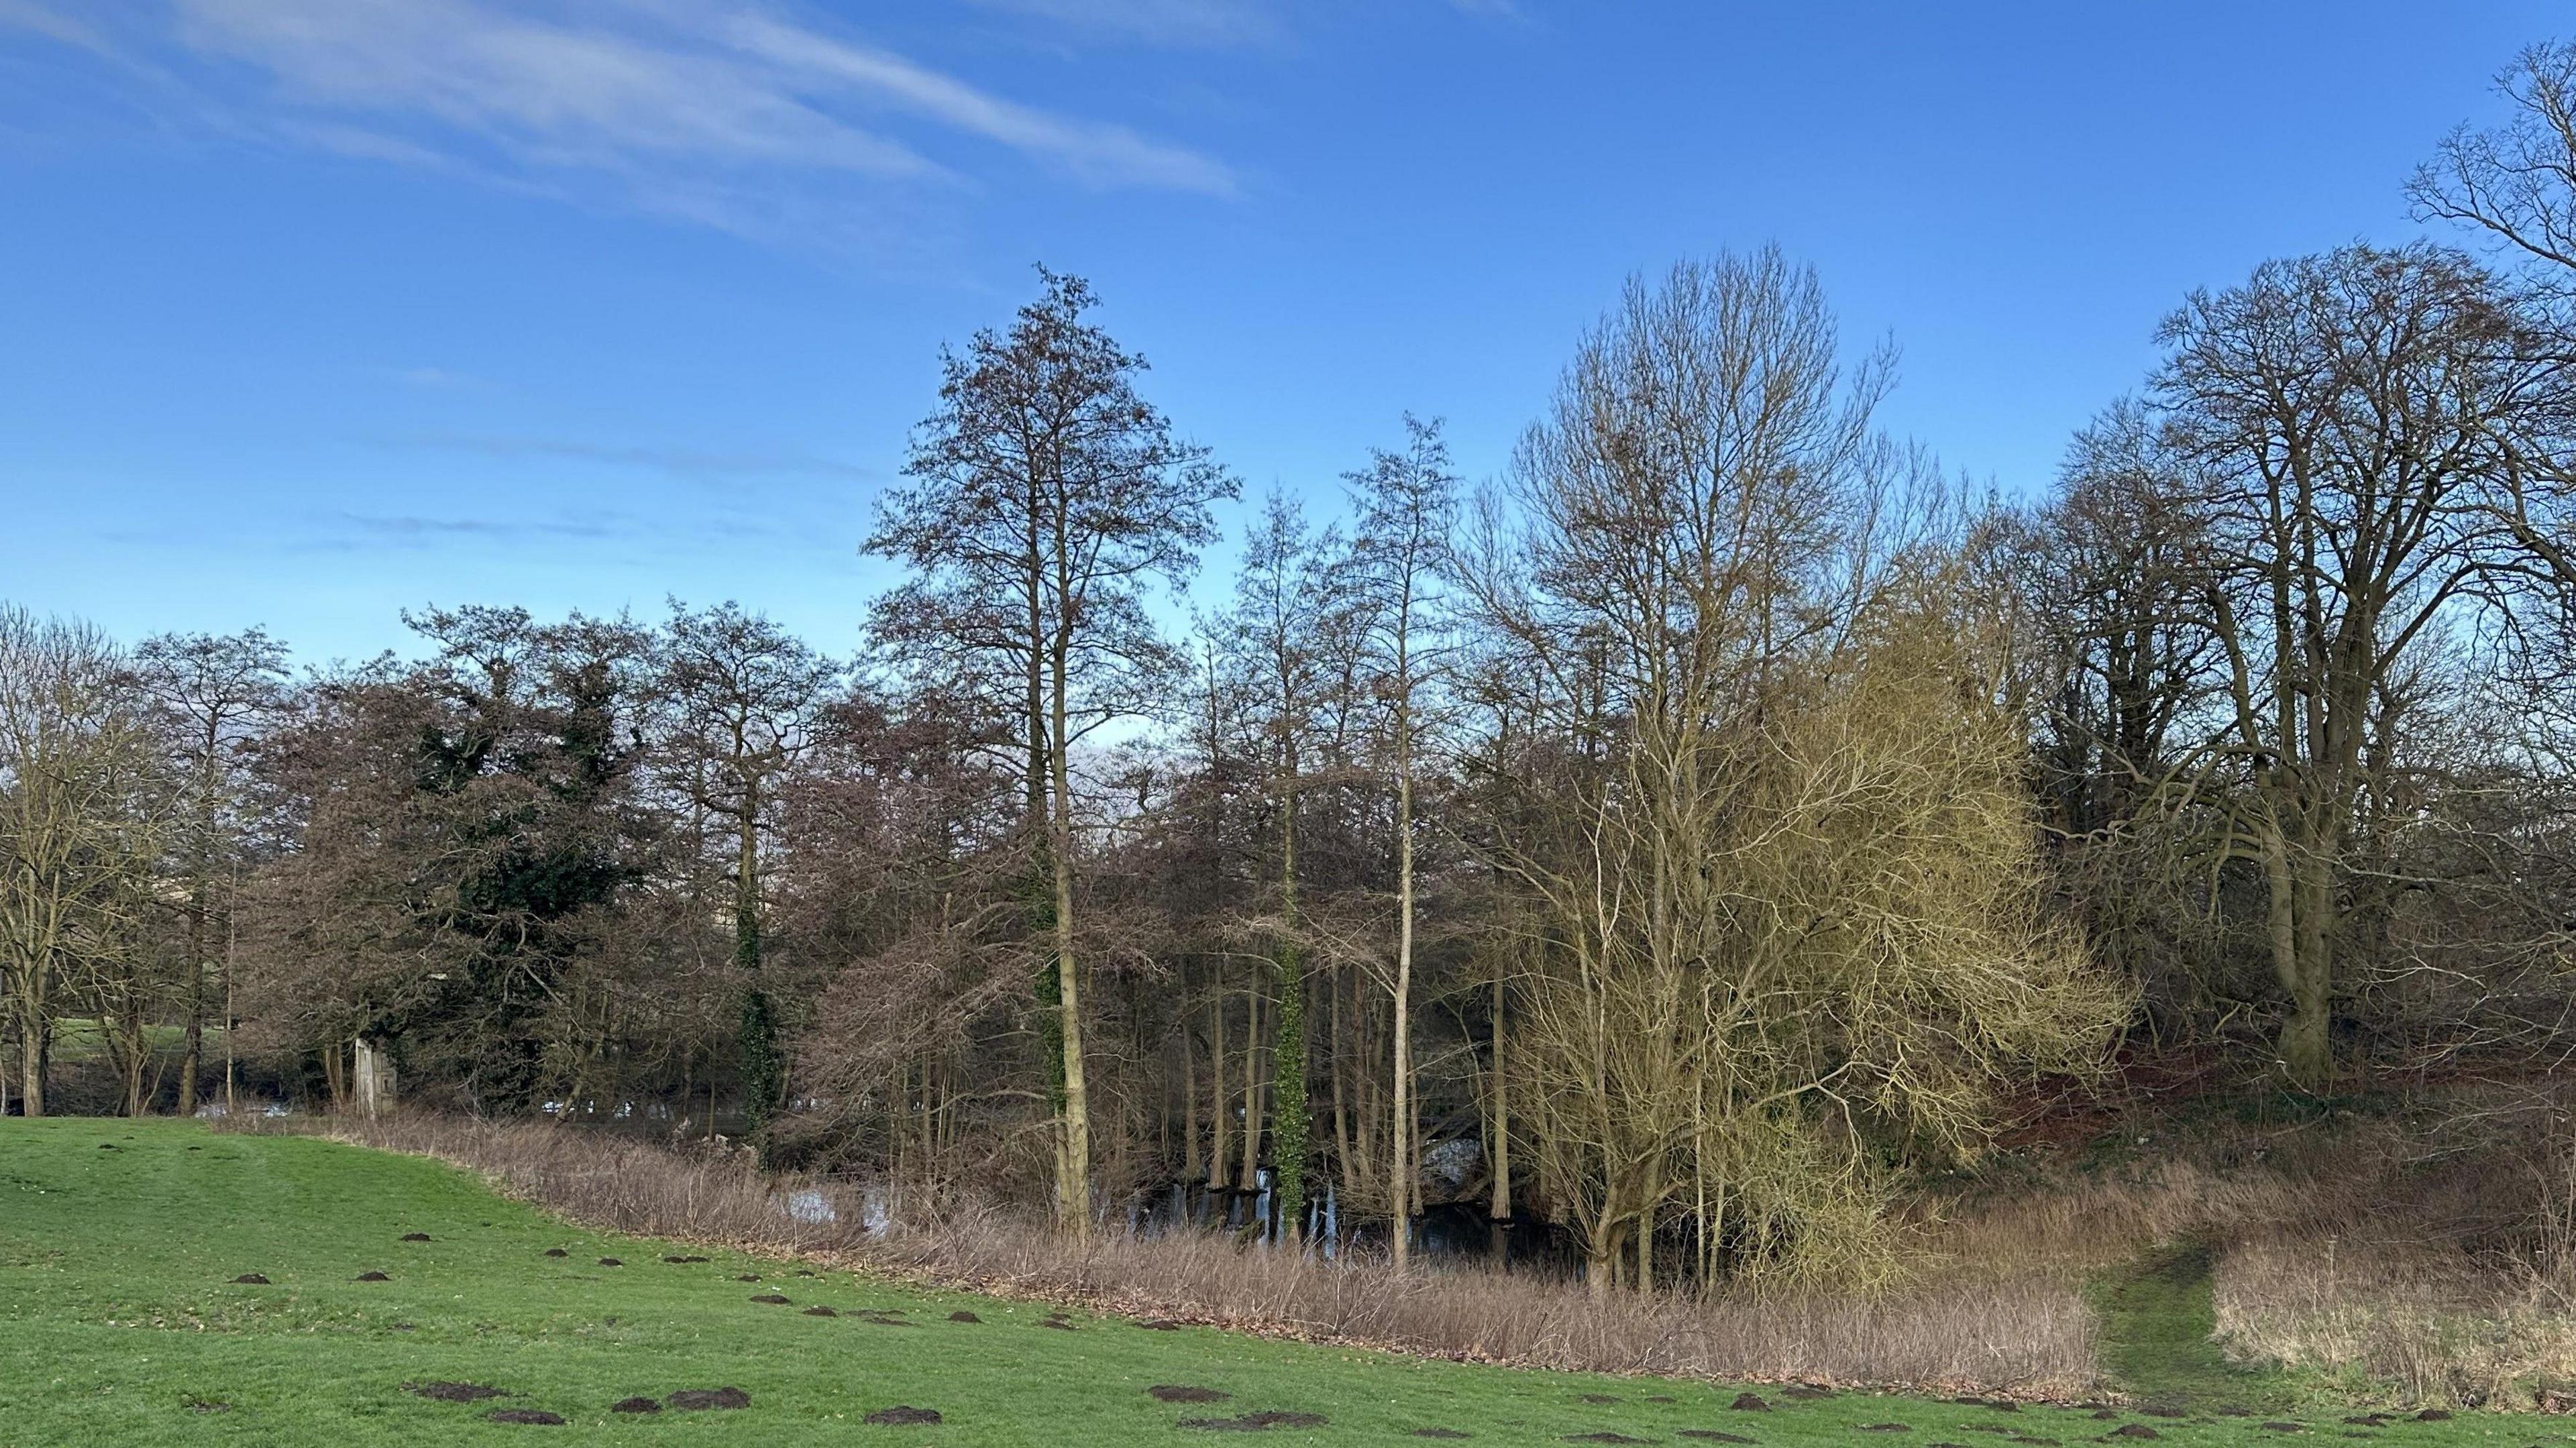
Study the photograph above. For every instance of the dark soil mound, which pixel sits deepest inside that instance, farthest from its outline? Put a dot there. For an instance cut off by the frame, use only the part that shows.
(772, 1298)
(962, 1316)
(524, 1415)
(1058, 1323)
(709, 1398)
(2135, 1430)
(1256, 1422)
(1438, 1433)
(611, 1262)
(684, 1259)
(1182, 1393)
(557, 1252)
(819, 1310)
(251, 1279)
(1604, 1438)
(901, 1417)
(371, 1277)
(454, 1392)
(1749, 1403)
(1599, 1400)
(2434, 1415)
(748, 1277)
(415, 1236)
(636, 1405)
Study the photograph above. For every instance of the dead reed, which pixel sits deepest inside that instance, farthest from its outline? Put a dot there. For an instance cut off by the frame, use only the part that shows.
(2026, 1332)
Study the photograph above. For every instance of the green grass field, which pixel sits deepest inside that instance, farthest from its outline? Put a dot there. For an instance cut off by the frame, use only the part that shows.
(120, 1324)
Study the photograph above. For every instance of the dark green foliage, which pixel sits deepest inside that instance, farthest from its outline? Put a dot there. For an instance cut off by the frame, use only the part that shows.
(764, 1069)
(1292, 1120)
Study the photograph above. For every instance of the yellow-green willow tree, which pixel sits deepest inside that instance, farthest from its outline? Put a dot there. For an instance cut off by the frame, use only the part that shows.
(1785, 869)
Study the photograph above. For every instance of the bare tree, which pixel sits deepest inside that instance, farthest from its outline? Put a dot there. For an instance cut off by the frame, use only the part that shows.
(1406, 506)
(215, 694)
(2515, 182)
(1044, 496)
(79, 822)
(1282, 598)
(745, 699)
(1785, 869)
(2345, 411)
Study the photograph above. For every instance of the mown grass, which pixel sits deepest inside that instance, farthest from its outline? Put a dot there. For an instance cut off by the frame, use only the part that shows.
(119, 1323)
(2157, 1324)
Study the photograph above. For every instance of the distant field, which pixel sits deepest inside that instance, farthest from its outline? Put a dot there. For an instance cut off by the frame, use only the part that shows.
(120, 1323)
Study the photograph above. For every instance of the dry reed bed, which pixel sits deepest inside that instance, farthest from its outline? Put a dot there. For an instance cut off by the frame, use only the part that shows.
(2388, 1320)
(2027, 1332)
(2362, 1253)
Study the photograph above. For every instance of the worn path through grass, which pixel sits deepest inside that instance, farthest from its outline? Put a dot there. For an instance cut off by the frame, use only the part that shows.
(2156, 1322)
(121, 1322)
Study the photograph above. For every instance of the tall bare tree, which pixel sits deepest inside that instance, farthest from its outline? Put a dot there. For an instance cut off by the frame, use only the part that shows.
(215, 695)
(1043, 497)
(1281, 601)
(1406, 505)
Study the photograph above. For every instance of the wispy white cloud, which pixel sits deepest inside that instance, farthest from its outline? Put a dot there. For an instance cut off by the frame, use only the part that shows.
(53, 25)
(1220, 23)
(1160, 22)
(684, 462)
(721, 111)
(1098, 153)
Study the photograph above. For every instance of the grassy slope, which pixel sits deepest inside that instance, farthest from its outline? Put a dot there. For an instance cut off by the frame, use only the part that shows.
(118, 1320)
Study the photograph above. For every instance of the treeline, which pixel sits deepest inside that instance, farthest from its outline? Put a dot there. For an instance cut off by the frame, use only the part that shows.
(1687, 840)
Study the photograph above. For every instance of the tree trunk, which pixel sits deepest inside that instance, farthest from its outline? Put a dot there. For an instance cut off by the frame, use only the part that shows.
(2294, 924)
(31, 1058)
(192, 1056)
(1498, 1209)
(1247, 1181)
(1189, 1094)
(1403, 1163)
(1073, 1206)
(1288, 1049)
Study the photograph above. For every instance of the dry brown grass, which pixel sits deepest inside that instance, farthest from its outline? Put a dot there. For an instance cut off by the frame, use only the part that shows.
(2398, 1257)
(2425, 1261)
(2395, 1320)
(2027, 1332)
(2425, 1257)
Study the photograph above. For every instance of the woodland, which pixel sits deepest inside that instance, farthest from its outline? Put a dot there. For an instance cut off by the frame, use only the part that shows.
(1665, 863)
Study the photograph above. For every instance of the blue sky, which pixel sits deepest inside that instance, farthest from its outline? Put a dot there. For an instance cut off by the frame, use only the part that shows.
(311, 310)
